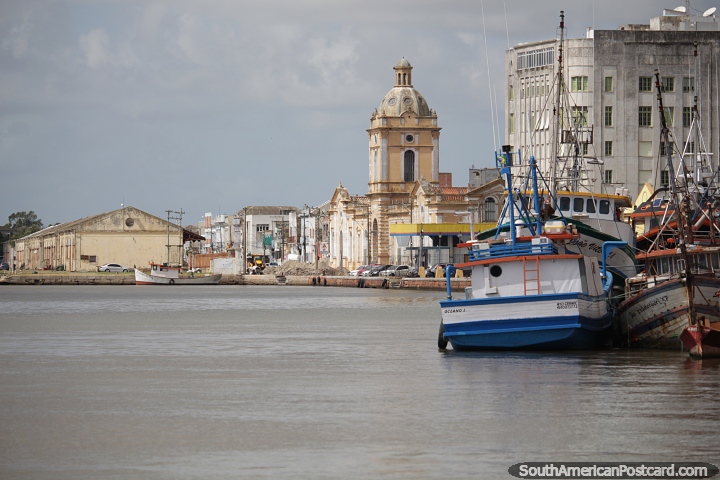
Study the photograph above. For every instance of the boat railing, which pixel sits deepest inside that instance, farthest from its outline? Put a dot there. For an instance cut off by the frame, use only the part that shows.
(482, 251)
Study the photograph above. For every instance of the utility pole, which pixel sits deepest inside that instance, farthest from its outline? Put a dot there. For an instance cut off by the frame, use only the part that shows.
(168, 235)
(317, 238)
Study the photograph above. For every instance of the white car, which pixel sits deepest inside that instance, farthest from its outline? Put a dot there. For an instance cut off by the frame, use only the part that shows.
(112, 267)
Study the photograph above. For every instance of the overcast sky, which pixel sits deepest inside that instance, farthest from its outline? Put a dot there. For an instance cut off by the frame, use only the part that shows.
(209, 106)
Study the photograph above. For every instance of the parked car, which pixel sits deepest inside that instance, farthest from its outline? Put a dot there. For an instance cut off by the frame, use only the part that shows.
(4, 266)
(377, 270)
(356, 272)
(112, 267)
(194, 270)
(387, 272)
(364, 271)
(396, 271)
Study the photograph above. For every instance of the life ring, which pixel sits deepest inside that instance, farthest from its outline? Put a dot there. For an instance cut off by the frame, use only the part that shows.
(172, 281)
(442, 343)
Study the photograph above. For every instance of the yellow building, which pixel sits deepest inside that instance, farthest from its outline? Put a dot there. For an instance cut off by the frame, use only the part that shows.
(127, 236)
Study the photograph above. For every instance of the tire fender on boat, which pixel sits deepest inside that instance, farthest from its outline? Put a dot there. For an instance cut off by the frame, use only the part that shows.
(442, 343)
(172, 281)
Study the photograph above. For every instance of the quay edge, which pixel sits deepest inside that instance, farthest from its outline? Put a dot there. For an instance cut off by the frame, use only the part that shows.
(67, 278)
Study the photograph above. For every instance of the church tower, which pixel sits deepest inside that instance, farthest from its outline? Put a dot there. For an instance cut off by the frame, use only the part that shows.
(404, 148)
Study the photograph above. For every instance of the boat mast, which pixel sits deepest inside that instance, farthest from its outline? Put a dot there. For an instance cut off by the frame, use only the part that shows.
(680, 205)
(559, 85)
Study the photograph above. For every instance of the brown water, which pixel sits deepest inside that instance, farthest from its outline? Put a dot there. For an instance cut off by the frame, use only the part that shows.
(309, 382)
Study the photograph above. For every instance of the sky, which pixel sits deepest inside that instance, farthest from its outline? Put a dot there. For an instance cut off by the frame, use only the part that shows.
(213, 105)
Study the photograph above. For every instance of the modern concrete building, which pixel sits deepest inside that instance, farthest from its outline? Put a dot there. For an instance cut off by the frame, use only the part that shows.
(610, 75)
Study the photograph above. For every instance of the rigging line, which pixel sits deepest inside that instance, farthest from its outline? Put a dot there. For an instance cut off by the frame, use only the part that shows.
(497, 116)
(487, 61)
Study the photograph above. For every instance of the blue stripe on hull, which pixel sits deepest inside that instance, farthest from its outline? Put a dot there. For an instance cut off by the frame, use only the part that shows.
(548, 333)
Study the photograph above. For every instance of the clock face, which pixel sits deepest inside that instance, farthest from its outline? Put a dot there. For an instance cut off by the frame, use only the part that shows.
(409, 138)
(392, 101)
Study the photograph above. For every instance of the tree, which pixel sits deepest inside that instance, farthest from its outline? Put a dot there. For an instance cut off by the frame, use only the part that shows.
(23, 224)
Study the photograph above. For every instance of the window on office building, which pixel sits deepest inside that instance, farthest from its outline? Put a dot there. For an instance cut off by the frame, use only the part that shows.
(645, 84)
(687, 116)
(669, 113)
(664, 178)
(608, 148)
(645, 149)
(511, 123)
(511, 93)
(579, 116)
(579, 84)
(608, 176)
(608, 116)
(664, 148)
(645, 116)
(688, 84)
(668, 84)
(608, 84)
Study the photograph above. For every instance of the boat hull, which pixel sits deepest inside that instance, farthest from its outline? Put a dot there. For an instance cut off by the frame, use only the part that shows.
(656, 317)
(535, 322)
(701, 341)
(142, 278)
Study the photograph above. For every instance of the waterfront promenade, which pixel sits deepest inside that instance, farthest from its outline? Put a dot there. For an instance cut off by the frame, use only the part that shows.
(96, 278)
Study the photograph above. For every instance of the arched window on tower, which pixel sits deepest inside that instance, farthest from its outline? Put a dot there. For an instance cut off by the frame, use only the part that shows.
(409, 171)
(491, 212)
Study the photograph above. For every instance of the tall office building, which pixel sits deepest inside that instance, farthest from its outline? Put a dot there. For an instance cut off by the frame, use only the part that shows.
(610, 78)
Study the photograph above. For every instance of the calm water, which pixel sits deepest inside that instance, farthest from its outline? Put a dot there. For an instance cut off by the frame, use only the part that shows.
(310, 382)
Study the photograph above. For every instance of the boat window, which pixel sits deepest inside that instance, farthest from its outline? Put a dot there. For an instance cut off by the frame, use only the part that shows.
(664, 266)
(604, 207)
(565, 204)
(495, 271)
(715, 261)
(578, 205)
(590, 206)
(702, 261)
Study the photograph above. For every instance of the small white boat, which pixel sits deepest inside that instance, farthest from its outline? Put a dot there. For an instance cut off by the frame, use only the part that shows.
(163, 274)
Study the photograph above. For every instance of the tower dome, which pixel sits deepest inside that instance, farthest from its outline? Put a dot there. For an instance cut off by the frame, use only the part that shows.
(403, 97)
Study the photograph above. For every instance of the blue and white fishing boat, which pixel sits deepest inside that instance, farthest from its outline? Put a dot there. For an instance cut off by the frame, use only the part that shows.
(531, 286)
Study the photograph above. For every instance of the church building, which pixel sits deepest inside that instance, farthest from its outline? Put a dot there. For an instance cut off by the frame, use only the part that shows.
(411, 213)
